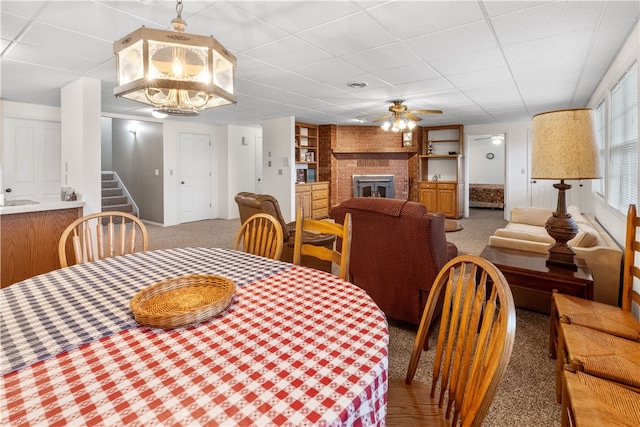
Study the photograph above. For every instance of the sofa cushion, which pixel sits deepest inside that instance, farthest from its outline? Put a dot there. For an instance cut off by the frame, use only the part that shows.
(575, 213)
(587, 237)
(531, 216)
(519, 234)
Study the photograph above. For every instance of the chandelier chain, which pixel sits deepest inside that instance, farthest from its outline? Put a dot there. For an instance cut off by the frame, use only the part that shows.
(179, 8)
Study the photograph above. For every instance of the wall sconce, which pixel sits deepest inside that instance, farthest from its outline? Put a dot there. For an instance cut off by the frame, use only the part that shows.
(133, 131)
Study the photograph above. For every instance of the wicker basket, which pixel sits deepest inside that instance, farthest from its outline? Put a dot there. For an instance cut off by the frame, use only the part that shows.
(183, 300)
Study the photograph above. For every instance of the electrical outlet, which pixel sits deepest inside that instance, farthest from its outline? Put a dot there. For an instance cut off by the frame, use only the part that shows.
(279, 171)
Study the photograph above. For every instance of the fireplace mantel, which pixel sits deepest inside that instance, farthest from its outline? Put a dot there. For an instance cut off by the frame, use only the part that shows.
(382, 151)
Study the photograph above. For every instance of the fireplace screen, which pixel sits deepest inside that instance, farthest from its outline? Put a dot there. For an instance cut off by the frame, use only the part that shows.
(373, 186)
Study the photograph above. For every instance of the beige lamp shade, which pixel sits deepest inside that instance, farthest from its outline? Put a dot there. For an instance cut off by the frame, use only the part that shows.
(564, 145)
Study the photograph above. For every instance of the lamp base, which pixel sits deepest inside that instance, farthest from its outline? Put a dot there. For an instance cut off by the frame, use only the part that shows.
(562, 228)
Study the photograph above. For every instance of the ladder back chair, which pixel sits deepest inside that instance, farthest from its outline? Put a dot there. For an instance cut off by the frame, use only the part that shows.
(342, 233)
(618, 321)
(475, 341)
(260, 235)
(102, 235)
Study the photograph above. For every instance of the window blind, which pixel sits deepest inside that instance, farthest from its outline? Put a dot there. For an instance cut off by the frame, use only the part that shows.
(597, 185)
(623, 151)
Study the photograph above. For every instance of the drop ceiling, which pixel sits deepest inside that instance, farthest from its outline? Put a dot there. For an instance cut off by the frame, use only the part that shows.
(477, 61)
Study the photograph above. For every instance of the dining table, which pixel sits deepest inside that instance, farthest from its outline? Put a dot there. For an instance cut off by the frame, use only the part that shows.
(296, 346)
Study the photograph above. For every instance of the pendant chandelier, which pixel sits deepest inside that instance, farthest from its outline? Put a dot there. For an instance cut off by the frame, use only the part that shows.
(177, 73)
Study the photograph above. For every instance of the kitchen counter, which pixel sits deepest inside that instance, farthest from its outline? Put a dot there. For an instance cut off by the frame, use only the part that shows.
(38, 207)
(30, 235)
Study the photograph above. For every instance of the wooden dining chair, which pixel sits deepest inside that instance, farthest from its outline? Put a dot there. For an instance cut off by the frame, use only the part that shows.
(475, 340)
(343, 236)
(102, 235)
(260, 235)
(618, 321)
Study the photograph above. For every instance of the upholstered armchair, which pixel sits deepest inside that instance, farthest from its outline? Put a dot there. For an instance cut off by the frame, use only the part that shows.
(397, 250)
(252, 203)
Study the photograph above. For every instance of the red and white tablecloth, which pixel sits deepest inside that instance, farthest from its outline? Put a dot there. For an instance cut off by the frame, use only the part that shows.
(296, 347)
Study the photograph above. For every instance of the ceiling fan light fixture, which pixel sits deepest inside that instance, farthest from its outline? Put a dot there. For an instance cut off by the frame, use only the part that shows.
(158, 114)
(177, 73)
(401, 119)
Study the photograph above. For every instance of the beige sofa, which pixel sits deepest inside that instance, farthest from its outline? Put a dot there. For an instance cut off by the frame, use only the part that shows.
(592, 243)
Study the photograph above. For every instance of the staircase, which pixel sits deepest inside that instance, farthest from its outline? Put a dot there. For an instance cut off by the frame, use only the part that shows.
(114, 197)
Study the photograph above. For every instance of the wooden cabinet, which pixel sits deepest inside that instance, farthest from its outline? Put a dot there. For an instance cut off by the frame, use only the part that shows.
(441, 172)
(445, 197)
(303, 199)
(306, 152)
(30, 242)
(314, 199)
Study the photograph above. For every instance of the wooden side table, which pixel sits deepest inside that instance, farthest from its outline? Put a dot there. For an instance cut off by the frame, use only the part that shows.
(532, 282)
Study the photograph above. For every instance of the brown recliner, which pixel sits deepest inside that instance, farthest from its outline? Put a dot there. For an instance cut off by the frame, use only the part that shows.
(397, 250)
(252, 203)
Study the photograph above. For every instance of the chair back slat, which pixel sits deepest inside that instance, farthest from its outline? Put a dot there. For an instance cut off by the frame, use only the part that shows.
(260, 235)
(478, 324)
(342, 233)
(95, 237)
(471, 321)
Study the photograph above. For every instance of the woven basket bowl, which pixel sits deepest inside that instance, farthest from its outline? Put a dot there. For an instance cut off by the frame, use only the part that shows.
(182, 301)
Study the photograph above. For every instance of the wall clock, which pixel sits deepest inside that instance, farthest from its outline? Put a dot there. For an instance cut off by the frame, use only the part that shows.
(489, 156)
(407, 139)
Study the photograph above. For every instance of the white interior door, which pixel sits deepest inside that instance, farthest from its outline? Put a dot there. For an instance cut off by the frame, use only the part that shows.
(31, 160)
(258, 165)
(195, 177)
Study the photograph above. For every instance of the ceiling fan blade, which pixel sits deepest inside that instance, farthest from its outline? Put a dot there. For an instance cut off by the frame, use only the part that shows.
(425, 111)
(386, 116)
(411, 117)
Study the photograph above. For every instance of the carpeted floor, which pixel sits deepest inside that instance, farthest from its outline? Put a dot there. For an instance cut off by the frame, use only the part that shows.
(526, 397)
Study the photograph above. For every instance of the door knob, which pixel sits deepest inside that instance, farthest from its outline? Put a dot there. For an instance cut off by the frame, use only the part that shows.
(8, 190)
(181, 182)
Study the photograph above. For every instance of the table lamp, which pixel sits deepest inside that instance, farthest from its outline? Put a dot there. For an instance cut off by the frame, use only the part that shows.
(564, 148)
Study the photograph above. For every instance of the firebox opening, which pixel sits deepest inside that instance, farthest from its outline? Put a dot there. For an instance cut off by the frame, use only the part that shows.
(373, 186)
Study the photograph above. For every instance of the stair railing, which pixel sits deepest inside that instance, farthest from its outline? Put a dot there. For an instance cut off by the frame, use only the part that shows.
(134, 207)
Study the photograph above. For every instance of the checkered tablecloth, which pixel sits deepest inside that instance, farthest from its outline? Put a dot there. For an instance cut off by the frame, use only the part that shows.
(296, 347)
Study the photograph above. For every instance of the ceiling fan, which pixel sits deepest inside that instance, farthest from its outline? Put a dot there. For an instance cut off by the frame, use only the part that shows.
(402, 118)
(496, 139)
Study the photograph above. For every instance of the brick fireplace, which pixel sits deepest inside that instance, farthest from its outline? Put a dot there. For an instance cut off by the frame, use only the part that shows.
(366, 150)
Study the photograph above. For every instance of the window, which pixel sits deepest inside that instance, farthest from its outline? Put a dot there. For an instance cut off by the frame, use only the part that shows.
(597, 185)
(622, 186)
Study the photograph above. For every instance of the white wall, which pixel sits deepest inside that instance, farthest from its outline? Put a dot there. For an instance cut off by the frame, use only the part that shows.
(277, 170)
(516, 163)
(611, 219)
(242, 164)
(81, 140)
(483, 170)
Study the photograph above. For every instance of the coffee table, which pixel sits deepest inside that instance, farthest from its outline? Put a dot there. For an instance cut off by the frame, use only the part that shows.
(532, 282)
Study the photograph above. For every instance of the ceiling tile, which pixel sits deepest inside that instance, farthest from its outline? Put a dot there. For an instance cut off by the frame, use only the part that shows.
(453, 42)
(546, 20)
(382, 58)
(350, 34)
(280, 53)
(411, 19)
